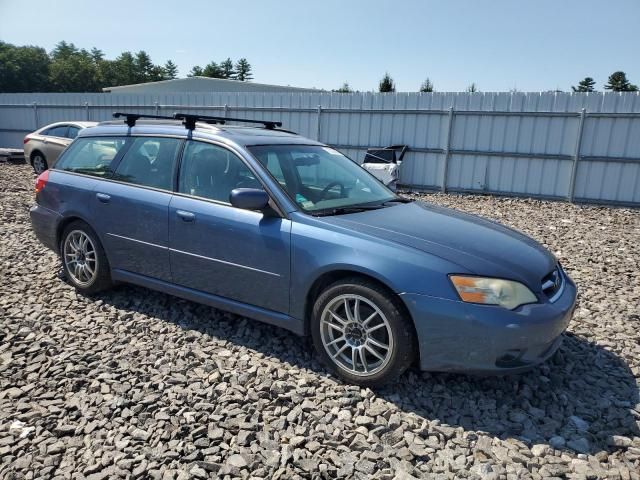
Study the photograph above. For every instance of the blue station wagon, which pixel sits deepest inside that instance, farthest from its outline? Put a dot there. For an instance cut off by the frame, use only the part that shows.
(262, 222)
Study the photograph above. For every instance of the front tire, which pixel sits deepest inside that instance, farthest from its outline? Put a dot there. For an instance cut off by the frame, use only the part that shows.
(362, 333)
(84, 261)
(39, 163)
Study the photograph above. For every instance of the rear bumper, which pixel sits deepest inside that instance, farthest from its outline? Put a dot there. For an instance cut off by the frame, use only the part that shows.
(45, 225)
(464, 337)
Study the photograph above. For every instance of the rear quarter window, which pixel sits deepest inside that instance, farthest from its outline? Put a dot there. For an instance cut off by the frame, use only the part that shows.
(91, 156)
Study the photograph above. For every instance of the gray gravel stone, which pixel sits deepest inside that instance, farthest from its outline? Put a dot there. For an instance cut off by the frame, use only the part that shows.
(136, 384)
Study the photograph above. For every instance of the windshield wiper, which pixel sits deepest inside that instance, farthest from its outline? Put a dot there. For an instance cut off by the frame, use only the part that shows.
(347, 209)
(397, 200)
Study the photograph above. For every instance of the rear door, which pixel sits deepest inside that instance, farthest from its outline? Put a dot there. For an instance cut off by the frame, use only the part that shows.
(216, 248)
(131, 210)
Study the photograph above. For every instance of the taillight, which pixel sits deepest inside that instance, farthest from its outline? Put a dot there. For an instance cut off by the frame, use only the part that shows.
(26, 139)
(41, 181)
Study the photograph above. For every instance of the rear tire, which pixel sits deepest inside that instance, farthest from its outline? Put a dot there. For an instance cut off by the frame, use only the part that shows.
(39, 163)
(84, 261)
(362, 333)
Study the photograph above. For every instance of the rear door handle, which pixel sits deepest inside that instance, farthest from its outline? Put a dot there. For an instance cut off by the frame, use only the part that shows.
(103, 197)
(186, 216)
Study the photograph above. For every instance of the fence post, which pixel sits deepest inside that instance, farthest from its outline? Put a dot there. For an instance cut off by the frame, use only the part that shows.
(35, 115)
(447, 154)
(225, 111)
(576, 156)
(156, 108)
(86, 111)
(318, 119)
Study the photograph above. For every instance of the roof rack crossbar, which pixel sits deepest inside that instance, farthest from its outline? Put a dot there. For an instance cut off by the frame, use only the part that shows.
(131, 118)
(190, 120)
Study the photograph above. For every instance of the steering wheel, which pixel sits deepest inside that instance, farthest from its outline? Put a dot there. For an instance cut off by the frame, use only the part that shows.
(326, 189)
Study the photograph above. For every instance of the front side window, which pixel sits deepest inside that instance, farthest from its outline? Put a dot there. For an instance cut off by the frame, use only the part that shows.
(73, 132)
(150, 162)
(212, 172)
(91, 155)
(320, 178)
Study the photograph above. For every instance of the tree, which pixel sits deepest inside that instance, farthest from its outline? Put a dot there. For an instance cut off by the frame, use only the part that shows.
(386, 84)
(243, 70)
(586, 85)
(618, 83)
(72, 70)
(427, 86)
(196, 71)
(345, 88)
(212, 69)
(144, 71)
(226, 69)
(472, 88)
(23, 69)
(169, 71)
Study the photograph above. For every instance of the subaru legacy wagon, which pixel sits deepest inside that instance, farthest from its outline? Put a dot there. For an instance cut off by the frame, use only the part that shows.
(264, 223)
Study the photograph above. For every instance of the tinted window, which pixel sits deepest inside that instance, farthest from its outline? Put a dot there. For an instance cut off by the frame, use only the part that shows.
(150, 161)
(212, 172)
(92, 156)
(59, 131)
(73, 132)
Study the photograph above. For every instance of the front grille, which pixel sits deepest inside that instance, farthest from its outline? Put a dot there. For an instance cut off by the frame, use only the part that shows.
(552, 284)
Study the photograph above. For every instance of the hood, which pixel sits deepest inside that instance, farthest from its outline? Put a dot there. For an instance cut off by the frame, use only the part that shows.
(482, 246)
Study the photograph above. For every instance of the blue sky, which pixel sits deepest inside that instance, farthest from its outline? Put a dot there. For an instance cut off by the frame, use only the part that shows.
(498, 44)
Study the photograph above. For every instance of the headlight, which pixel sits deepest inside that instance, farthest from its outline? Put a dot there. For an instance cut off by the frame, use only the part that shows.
(492, 291)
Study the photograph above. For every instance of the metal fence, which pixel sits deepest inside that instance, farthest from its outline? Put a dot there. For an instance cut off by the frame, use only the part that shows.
(579, 147)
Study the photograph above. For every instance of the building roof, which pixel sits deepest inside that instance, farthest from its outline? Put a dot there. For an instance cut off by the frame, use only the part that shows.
(204, 84)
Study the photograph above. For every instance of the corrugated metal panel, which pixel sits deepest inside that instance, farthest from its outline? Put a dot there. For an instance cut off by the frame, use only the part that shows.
(511, 143)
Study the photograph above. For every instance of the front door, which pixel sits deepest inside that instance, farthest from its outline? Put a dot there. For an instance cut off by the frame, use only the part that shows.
(216, 248)
(132, 212)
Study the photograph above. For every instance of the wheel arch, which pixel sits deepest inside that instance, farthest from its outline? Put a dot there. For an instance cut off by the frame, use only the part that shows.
(67, 221)
(34, 152)
(329, 277)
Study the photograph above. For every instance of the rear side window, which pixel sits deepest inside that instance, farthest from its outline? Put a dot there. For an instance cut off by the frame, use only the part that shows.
(91, 156)
(150, 162)
(59, 131)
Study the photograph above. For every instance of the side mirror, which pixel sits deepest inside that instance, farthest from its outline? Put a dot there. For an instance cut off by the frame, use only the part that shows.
(249, 198)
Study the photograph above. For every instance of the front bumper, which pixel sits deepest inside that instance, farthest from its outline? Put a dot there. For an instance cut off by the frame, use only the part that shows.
(464, 337)
(45, 225)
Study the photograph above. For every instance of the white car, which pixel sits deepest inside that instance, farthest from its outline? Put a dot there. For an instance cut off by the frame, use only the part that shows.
(42, 147)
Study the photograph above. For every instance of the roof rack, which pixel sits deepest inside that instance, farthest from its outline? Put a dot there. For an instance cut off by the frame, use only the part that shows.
(132, 118)
(189, 120)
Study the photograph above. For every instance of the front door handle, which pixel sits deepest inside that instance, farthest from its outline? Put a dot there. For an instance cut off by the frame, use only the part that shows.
(186, 216)
(103, 197)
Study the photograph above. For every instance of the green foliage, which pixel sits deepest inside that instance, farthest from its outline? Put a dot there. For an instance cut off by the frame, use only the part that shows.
(212, 70)
(243, 70)
(586, 85)
(169, 71)
(23, 69)
(196, 71)
(386, 84)
(226, 69)
(427, 86)
(618, 83)
(345, 88)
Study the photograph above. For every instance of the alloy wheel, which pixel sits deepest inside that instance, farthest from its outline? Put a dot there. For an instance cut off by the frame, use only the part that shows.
(356, 335)
(80, 258)
(38, 164)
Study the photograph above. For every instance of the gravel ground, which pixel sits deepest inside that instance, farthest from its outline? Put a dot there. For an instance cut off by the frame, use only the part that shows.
(139, 384)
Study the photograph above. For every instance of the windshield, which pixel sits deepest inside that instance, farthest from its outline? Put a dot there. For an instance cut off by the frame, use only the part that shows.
(320, 178)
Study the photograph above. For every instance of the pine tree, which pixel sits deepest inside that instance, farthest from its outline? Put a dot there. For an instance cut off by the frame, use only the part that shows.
(427, 86)
(196, 71)
(386, 84)
(618, 83)
(243, 70)
(170, 71)
(226, 69)
(472, 88)
(345, 88)
(586, 85)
